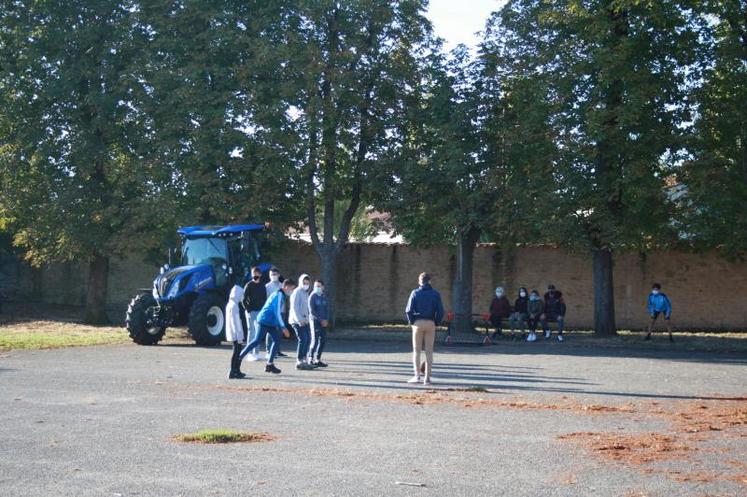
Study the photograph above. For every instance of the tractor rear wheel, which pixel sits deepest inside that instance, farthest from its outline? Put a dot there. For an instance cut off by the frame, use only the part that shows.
(137, 324)
(207, 320)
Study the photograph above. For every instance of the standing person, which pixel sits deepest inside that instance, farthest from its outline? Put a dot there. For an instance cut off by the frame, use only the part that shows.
(500, 309)
(234, 330)
(319, 318)
(554, 311)
(424, 311)
(271, 287)
(659, 303)
(520, 315)
(255, 296)
(299, 320)
(271, 323)
(535, 308)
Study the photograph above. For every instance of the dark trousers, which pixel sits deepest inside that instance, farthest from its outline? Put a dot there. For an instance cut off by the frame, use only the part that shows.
(235, 357)
(319, 339)
(549, 318)
(264, 331)
(497, 322)
(533, 321)
(303, 334)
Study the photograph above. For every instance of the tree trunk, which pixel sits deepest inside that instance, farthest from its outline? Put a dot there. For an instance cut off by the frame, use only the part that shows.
(604, 296)
(98, 280)
(461, 300)
(328, 263)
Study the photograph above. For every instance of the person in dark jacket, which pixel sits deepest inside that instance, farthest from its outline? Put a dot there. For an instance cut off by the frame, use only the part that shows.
(255, 295)
(658, 303)
(424, 312)
(500, 309)
(554, 311)
(319, 318)
(535, 310)
(519, 316)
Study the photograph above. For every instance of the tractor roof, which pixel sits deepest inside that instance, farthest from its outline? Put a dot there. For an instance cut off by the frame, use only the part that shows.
(219, 231)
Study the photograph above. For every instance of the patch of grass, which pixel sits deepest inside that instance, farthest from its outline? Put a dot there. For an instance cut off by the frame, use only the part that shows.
(53, 335)
(223, 436)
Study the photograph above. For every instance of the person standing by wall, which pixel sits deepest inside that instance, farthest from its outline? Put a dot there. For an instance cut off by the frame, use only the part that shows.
(299, 320)
(255, 296)
(319, 319)
(424, 312)
(500, 309)
(235, 331)
(658, 304)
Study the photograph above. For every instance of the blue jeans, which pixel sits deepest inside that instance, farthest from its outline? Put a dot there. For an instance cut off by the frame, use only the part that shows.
(252, 328)
(318, 339)
(264, 331)
(550, 318)
(303, 333)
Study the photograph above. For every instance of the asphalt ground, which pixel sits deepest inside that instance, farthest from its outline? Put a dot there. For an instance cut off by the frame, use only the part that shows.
(515, 419)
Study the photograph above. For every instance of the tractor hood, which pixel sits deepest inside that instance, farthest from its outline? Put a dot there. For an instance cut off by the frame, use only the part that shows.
(175, 282)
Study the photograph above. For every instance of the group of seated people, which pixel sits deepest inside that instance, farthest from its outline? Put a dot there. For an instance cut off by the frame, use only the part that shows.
(530, 310)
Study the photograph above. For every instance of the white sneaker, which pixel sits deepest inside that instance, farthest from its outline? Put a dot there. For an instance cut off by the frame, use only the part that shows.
(414, 379)
(560, 338)
(548, 333)
(251, 358)
(532, 337)
(426, 381)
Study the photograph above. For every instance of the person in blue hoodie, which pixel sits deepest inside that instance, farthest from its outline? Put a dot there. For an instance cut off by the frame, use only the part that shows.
(658, 304)
(319, 319)
(424, 312)
(271, 323)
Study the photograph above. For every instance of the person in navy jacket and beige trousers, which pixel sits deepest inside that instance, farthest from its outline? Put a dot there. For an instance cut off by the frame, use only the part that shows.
(424, 311)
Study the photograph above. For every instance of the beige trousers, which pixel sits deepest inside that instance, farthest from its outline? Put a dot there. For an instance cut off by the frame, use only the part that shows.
(423, 338)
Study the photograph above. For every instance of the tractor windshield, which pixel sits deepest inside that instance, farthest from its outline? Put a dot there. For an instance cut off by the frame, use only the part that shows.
(203, 251)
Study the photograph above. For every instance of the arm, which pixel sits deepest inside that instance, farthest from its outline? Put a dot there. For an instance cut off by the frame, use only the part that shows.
(278, 303)
(667, 307)
(439, 310)
(312, 308)
(650, 305)
(409, 311)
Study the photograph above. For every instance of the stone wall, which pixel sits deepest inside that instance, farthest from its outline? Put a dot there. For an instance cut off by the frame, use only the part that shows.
(375, 280)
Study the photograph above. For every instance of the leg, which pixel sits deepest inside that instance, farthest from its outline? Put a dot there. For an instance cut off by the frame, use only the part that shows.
(560, 325)
(322, 343)
(668, 322)
(314, 339)
(429, 336)
(235, 360)
(650, 327)
(417, 344)
(274, 334)
(254, 343)
(299, 347)
(253, 325)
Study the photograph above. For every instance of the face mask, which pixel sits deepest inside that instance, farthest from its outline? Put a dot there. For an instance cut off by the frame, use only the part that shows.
(305, 287)
(655, 292)
(499, 294)
(274, 277)
(522, 294)
(533, 297)
(318, 290)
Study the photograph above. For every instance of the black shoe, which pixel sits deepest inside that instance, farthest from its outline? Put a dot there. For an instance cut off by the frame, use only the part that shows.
(647, 337)
(240, 375)
(320, 364)
(270, 368)
(280, 354)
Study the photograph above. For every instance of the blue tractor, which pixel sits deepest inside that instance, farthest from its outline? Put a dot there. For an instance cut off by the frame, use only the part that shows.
(194, 293)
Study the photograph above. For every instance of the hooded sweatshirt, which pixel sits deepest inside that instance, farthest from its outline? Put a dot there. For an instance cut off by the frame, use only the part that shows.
(520, 304)
(299, 303)
(272, 312)
(234, 330)
(659, 303)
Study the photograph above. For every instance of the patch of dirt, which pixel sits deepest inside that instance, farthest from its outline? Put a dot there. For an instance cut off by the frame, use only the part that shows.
(632, 450)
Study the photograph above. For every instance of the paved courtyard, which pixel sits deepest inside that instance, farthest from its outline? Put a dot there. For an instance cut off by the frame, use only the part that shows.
(516, 419)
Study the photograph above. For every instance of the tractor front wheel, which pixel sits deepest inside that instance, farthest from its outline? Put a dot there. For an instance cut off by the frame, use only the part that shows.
(207, 321)
(141, 331)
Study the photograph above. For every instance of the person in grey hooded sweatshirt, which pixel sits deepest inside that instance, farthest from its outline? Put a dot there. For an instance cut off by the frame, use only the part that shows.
(299, 320)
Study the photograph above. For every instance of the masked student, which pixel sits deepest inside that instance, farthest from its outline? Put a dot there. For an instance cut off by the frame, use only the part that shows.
(500, 309)
(271, 323)
(535, 309)
(235, 331)
(255, 296)
(659, 304)
(299, 320)
(271, 287)
(520, 316)
(319, 320)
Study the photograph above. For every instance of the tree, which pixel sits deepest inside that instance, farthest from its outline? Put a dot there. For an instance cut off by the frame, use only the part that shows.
(713, 180)
(617, 76)
(344, 74)
(77, 180)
